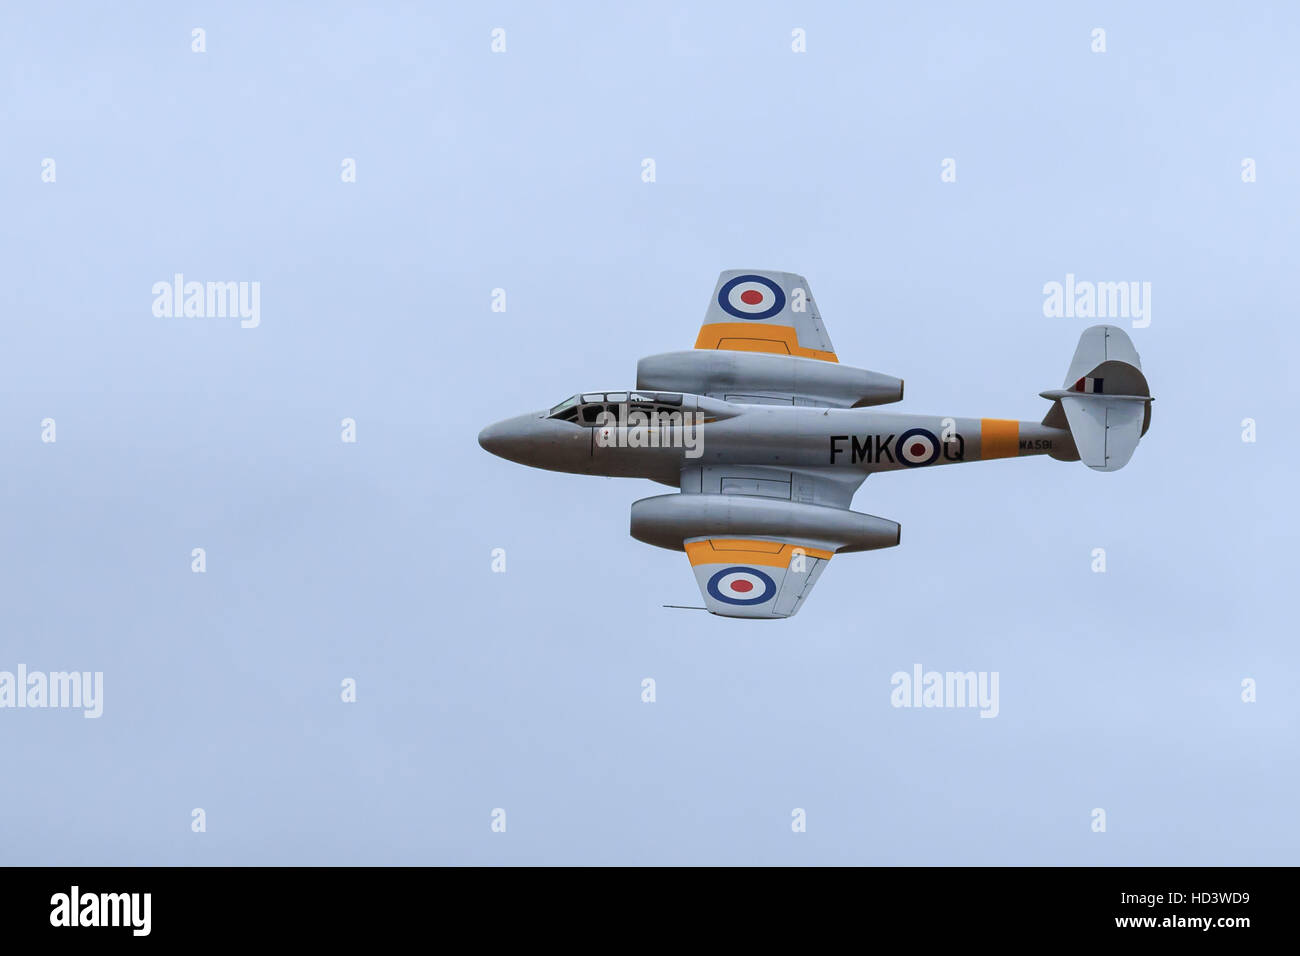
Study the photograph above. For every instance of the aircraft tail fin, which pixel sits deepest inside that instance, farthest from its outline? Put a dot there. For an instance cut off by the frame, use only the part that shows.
(1105, 402)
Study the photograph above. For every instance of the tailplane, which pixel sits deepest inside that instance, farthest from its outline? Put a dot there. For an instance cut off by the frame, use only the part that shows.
(1105, 402)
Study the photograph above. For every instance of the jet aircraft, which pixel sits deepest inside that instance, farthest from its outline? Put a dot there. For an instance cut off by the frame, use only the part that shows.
(768, 438)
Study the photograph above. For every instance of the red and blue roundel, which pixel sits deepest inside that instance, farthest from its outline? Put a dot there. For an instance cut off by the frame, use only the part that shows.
(740, 585)
(751, 297)
(916, 446)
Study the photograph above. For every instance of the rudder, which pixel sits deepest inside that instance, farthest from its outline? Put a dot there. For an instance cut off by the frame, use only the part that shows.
(1106, 401)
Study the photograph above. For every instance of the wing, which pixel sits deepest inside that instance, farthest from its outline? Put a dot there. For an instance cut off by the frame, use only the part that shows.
(763, 342)
(759, 311)
(763, 576)
(755, 577)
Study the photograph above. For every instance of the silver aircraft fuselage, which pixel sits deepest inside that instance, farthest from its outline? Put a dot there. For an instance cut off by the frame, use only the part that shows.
(856, 440)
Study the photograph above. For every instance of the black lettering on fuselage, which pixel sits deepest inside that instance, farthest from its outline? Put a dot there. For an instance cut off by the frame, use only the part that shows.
(1035, 444)
(879, 449)
(882, 449)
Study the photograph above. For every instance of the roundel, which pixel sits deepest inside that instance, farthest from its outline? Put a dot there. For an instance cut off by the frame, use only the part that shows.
(916, 446)
(740, 585)
(751, 297)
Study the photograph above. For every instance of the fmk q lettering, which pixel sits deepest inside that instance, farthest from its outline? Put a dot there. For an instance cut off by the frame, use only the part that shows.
(879, 449)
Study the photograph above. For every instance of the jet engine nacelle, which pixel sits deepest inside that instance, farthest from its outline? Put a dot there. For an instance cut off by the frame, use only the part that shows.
(736, 376)
(668, 520)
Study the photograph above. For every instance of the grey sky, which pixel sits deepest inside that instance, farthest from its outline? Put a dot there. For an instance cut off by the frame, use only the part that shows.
(521, 690)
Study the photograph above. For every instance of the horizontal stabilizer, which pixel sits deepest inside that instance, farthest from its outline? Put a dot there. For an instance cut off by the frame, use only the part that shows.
(1106, 401)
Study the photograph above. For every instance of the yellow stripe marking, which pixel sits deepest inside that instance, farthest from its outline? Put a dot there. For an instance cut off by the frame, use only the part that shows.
(999, 438)
(742, 337)
(772, 554)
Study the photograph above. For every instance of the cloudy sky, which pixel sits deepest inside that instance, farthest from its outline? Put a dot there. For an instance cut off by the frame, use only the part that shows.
(370, 560)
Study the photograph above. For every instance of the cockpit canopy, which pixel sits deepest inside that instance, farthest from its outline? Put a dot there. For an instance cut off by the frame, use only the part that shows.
(585, 407)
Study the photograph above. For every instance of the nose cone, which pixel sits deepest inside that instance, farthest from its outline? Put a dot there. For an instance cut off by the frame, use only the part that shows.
(513, 438)
(494, 438)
